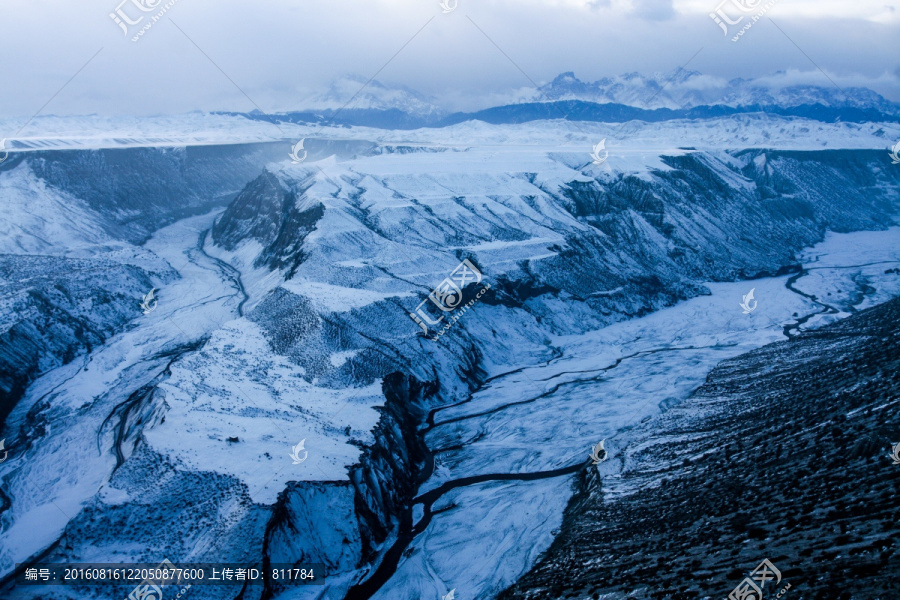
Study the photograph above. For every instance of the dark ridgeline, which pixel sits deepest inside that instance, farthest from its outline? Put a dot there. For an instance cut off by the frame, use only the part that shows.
(783, 454)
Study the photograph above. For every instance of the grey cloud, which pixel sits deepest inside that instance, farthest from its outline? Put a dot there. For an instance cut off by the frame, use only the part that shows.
(654, 10)
(279, 52)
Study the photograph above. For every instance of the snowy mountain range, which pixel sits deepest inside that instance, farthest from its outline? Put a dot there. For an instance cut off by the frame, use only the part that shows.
(659, 97)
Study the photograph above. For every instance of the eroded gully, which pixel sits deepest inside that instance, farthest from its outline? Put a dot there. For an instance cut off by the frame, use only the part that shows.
(124, 409)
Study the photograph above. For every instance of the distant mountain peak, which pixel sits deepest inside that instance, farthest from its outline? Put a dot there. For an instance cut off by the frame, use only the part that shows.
(356, 92)
(565, 77)
(683, 89)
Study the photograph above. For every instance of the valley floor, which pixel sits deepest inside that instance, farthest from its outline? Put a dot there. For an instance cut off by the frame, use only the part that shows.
(482, 537)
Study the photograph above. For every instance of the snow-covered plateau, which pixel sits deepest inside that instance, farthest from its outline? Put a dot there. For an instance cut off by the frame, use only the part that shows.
(281, 314)
(739, 131)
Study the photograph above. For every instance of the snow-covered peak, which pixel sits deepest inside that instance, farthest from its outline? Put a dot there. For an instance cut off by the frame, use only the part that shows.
(687, 89)
(356, 92)
(632, 89)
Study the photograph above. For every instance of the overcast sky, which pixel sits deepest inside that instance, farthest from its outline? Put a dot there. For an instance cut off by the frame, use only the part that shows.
(278, 52)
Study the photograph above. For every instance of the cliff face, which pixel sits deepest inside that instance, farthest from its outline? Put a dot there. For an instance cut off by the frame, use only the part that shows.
(278, 218)
(391, 469)
(782, 454)
(362, 511)
(139, 190)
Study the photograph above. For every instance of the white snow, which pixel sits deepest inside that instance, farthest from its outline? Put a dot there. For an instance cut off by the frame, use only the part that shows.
(333, 298)
(338, 359)
(40, 220)
(236, 387)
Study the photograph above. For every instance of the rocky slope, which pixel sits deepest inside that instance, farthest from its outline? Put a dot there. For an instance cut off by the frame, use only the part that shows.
(139, 190)
(782, 454)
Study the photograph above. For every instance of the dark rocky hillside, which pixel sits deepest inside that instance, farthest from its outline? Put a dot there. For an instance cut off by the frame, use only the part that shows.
(59, 309)
(280, 218)
(782, 454)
